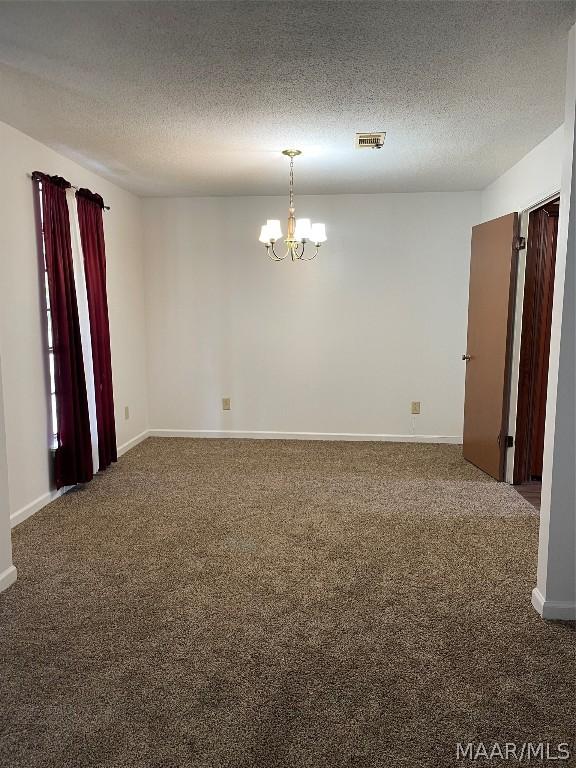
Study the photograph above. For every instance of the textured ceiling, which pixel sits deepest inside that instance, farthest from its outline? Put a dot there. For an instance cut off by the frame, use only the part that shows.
(198, 98)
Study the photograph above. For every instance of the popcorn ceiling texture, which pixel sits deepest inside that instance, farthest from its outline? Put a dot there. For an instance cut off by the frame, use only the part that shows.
(277, 604)
(198, 98)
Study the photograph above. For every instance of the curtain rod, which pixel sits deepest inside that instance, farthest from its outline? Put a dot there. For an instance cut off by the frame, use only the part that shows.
(72, 186)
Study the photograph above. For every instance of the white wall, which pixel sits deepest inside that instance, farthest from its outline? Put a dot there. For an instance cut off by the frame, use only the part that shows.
(532, 179)
(22, 343)
(339, 345)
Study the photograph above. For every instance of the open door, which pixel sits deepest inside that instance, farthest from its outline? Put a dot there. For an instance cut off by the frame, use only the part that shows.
(490, 313)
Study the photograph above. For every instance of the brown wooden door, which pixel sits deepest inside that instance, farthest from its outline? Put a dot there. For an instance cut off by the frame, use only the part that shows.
(490, 307)
(544, 320)
(535, 343)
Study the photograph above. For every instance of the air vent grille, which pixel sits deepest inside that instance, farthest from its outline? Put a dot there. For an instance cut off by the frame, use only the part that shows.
(370, 140)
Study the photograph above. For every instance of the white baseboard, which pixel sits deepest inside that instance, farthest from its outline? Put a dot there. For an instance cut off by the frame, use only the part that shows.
(125, 447)
(7, 577)
(548, 609)
(264, 435)
(34, 506)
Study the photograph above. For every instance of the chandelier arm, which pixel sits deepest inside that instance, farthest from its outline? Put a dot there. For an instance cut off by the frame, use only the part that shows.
(271, 253)
(309, 258)
(281, 258)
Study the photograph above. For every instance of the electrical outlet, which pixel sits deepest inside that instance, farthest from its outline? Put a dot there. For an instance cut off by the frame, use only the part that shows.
(126, 413)
(415, 407)
(226, 404)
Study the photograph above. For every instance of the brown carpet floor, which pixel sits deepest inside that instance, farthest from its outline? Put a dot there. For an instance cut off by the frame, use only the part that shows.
(272, 604)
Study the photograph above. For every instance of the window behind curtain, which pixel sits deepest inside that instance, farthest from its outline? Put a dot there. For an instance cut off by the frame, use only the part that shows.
(54, 422)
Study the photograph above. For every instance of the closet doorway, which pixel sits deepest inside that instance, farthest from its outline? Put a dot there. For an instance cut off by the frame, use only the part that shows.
(535, 348)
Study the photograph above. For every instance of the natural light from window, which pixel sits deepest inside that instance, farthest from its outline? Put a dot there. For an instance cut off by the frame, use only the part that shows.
(51, 361)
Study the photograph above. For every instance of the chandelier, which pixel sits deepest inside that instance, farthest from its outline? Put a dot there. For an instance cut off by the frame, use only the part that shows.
(300, 231)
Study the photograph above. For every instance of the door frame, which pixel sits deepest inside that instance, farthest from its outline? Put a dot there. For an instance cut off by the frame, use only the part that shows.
(517, 333)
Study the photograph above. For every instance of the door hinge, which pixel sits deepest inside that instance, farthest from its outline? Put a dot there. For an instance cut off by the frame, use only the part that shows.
(519, 243)
(509, 441)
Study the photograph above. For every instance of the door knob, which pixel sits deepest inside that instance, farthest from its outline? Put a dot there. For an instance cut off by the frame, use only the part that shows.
(466, 357)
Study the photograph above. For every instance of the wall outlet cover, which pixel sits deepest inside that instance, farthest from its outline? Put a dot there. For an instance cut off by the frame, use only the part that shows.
(415, 407)
(126, 413)
(226, 404)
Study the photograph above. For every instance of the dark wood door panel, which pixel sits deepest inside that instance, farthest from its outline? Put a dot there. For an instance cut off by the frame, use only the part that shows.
(535, 342)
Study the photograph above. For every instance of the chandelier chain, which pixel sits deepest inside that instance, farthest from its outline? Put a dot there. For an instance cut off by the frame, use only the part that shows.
(291, 182)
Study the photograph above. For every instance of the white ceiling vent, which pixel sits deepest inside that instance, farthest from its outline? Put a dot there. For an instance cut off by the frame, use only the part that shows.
(370, 140)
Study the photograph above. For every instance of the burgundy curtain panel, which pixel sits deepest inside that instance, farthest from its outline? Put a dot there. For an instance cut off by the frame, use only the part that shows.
(92, 236)
(73, 459)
